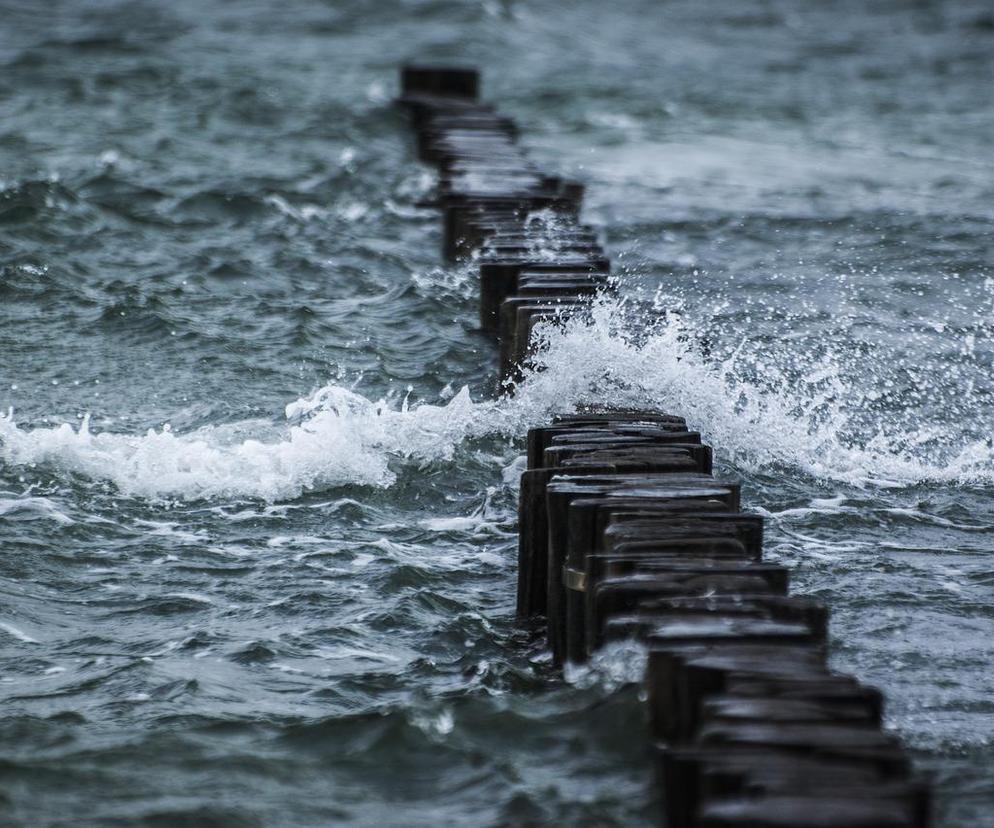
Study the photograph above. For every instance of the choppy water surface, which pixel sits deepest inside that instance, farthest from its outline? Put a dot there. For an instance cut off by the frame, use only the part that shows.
(256, 494)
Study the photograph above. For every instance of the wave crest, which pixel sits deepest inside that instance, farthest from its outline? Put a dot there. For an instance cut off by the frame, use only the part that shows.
(755, 416)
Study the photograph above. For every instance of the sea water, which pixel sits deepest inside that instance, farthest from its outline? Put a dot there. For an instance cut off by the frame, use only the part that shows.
(257, 481)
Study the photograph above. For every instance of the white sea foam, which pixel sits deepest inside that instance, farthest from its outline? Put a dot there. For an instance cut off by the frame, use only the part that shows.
(755, 419)
(33, 508)
(20, 635)
(341, 438)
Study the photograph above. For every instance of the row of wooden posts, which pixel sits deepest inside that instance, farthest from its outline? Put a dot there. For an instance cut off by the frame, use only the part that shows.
(625, 533)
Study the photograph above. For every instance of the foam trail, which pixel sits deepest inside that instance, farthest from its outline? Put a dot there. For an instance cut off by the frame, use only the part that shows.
(336, 437)
(20, 635)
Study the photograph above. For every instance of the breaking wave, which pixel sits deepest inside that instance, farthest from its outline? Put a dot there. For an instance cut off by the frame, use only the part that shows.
(751, 413)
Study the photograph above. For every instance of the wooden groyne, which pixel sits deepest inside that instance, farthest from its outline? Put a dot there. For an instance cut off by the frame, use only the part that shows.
(625, 533)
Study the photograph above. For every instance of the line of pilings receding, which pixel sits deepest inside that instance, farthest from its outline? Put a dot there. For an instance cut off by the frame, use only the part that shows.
(624, 532)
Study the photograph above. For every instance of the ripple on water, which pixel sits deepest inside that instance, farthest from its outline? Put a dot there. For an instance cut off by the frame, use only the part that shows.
(270, 578)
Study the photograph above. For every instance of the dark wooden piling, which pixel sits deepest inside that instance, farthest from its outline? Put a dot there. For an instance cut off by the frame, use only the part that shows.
(624, 533)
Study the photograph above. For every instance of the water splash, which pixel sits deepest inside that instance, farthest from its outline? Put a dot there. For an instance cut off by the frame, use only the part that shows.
(341, 438)
(756, 415)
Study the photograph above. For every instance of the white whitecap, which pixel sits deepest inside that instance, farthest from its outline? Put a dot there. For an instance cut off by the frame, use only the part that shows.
(336, 437)
(20, 635)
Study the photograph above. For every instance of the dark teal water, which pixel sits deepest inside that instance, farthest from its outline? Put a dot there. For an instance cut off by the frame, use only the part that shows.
(256, 494)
